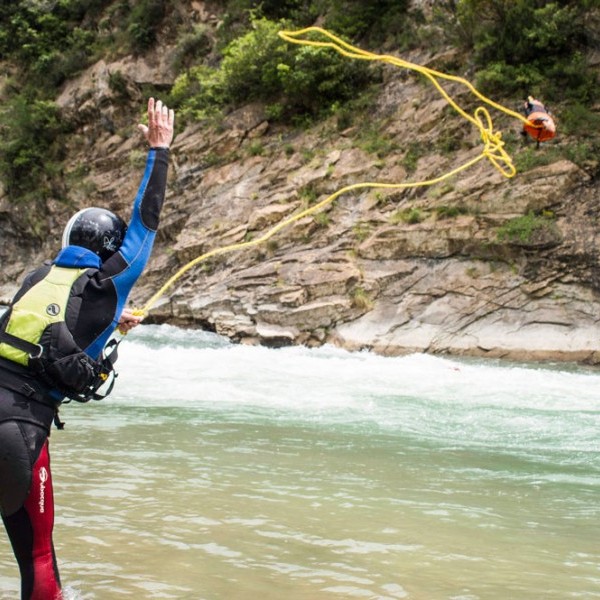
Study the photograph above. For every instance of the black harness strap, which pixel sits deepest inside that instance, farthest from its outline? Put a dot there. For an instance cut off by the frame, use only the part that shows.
(34, 350)
(31, 389)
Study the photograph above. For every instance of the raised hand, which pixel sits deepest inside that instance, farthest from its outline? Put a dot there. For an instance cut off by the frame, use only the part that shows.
(159, 131)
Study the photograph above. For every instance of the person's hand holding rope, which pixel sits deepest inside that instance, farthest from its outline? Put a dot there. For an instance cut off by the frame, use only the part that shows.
(128, 320)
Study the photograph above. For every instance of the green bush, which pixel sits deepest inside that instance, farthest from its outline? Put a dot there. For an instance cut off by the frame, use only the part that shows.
(143, 23)
(532, 157)
(317, 78)
(372, 138)
(373, 21)
(410, 216)
(362, 230)
(500, 78)
(530, 230)
(300, 12)
(47, 40)
(191, 47)
(414, 152)
(585, 155)
(198, 93)
(118, 84)
(260, 66)
(30, 129)
(361, 299)
(250, 69)
(528, 47)
(450, 212)
(360, 19)
(521, 31)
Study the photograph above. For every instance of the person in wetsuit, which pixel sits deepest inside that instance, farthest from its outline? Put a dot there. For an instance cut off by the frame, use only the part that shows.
(28, 405)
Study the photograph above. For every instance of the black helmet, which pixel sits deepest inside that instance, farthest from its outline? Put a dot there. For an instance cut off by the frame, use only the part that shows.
(96, 229)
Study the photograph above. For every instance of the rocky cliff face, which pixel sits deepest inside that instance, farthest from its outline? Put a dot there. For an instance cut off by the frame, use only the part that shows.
(366, 272)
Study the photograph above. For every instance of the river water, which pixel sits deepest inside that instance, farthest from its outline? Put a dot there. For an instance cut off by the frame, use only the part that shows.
(219, 471)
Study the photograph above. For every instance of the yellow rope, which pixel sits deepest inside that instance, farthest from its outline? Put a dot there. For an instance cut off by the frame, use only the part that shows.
(493, 146)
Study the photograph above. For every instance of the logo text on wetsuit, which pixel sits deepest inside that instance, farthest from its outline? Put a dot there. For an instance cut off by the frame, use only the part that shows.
(43, 479)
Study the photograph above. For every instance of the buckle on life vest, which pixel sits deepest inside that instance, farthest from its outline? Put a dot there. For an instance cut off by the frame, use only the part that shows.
(38, 354)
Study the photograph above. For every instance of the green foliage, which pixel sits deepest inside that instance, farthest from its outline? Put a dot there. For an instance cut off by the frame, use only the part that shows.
(143, 23)
(410, 216)
(256, 148)
(357, 19)
(361, 230)
(45, 39)
(251, 65)
(413, 153)
(373, 139)
(450, 212)
(322, 219)
(117, 83)
(521, 31)
(308, 195)
(578, 119)
(240, 14)
(48, 44)
(499, 77)
(191, 47)
(532, 157)
(528, 47)
(260, 66)
(30, 128)
(373, 21)
(198, 93)
(301, 12)
(530, 230)
(361, 299)
(315, 79)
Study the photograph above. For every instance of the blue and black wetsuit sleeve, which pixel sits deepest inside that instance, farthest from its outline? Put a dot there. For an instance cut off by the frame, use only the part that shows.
(145, 216)
(119, 273)
(141, 231)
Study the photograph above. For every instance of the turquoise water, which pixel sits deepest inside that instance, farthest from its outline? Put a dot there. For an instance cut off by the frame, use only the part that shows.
(220, 471)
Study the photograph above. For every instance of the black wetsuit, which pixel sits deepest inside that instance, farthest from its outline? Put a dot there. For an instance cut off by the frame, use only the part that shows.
(28, 406)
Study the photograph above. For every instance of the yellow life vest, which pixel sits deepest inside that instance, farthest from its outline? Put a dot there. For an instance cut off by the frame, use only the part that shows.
(42, 305)
(35, 335)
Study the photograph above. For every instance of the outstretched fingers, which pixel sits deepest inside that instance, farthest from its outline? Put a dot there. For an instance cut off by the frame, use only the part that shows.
(159, 132)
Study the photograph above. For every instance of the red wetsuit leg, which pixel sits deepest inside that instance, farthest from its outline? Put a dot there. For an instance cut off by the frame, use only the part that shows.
(40, 509)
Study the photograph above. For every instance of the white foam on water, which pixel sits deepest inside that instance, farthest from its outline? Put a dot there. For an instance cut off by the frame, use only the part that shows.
(478, 402)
